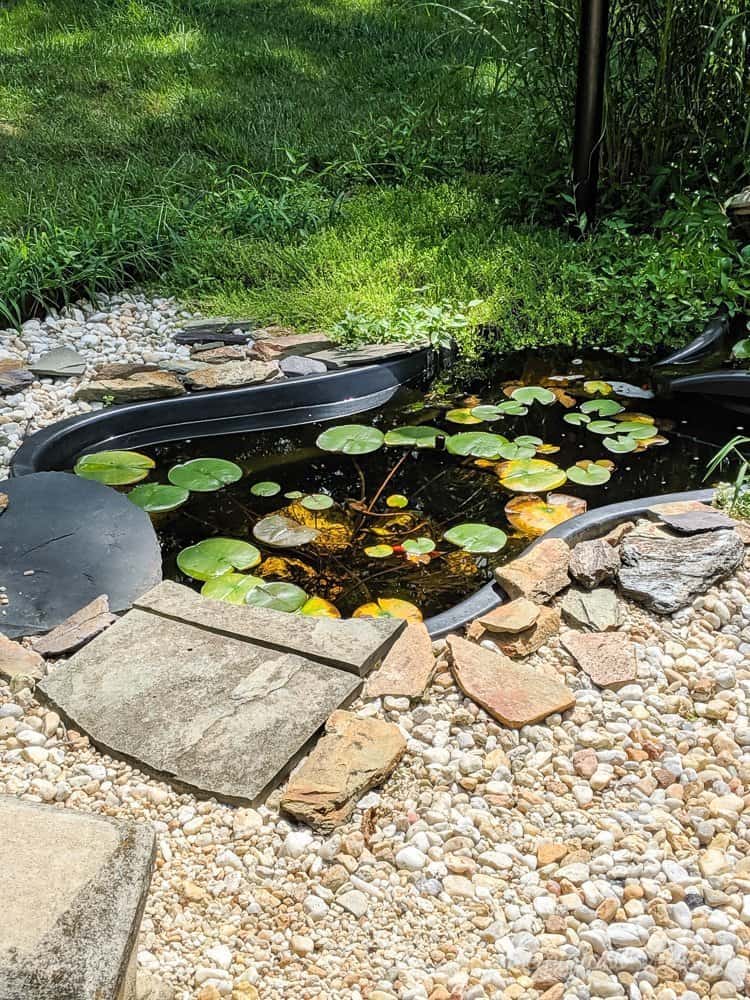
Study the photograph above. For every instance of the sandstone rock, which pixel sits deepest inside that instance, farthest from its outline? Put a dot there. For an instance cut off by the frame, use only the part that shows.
(514, 694)
(353, 756)
(594, 562)
(616, 534)
(232, 374)
(76, 630)
(285, 343)
(16, 660)
(123, 369)
(513, 617)
(136, 387)
(607, 657)
(538, 574)
(665, 572)
(526, 642)
(692, 522)
(408, 666)
(550, 853)
(549, 973)
(217, 355)
(597, 610)
(678, 507)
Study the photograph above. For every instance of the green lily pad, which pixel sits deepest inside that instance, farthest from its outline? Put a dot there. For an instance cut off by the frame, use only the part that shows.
(531, 475)
(488, 412)
(741, 349)
(637, 429)
(592, 475)
(351, 439)
(156, 498)
(479, 444)
(413, 437)
(528, 394)
(513, 450)
(204, 475)
(267, 489)
(481, 539)
(215, 556)
(283, 532)
(277, 596)
(603, 407)
(418, 546)
(397, 501)
(603, 427)
(230, 587)
(114, 468)
(577, 419)
(512, 408)
(317, 501)
(379, 551)
(462, 416)
(294, 495)
(528, 439)
(620, 445)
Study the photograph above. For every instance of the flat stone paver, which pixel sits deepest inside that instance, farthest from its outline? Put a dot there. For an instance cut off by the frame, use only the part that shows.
(73, 888)
(355, 645)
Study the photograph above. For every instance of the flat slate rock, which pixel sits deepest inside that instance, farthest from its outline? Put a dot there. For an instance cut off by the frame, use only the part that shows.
(408, 666)
(539, 573)
(223, 328)
(607, 657)
(354, 645)
(692, 522)
(77, 630)
(598, 610)
(213, 714)
(64, 541)
(296, 365)
(73, 888)
(232, 374)
(62, 362)
(369, 354)
(521, 643)
(511, 617)
(13, 380)
(132, 389)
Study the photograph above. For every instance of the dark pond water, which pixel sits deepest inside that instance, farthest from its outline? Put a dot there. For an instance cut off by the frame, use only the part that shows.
(443, 490)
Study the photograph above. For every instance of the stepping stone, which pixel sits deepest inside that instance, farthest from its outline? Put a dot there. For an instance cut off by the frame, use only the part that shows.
(522, 643)
(513, 694)
(408, 666)
(353, 756)
(77, 630)
(62, 362)
(232, 375)
(355, 645)
(64, 541)
(538, 574)
(133, 389)
(368, 354)
(212, 714)
(515, 616)
(16, 660)
(607, 657)
(692, 522)
(593, 563)
(296, 365)
(598, 610)
(664, 572)
(223, 328)
(73, 888)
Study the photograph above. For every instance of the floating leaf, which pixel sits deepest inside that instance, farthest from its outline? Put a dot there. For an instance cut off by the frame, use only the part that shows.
(741, 349)
(413, 437)
(479, 444)
(588, 475)
(532, 515)
(215, 556)
(562, 397)
(267, 489)
(606, 463)
(528, 439)
(462, 416)
(528, 394)
(512, 450)
(317, 501)
(204, 475)
(620, 445)
(594, 387)
(548, 449)
(277, 596)
(418, 546)
(640, 418)
(481, 539)
(230, 587)
(657, 441)
(114, 468)
(530, 475)
(397, 501)
(389, 607)
(604, 407)
(294, 495)
(637, 429)
(577, 419)
(603, 427)
(379, 551)
(319, 607)
(283, 533)
(488, 412)
(512, 408)
(351, 439)
(156, 498)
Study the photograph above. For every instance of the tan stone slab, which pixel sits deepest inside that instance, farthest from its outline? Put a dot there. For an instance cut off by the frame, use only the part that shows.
(139, 386)
(539, 574)
(514, 694)
(408, 666)
(515, 616)
(522, 643)
(607, 657)
(15, 659)
(353, 756)
(232, 374)
(76, 630)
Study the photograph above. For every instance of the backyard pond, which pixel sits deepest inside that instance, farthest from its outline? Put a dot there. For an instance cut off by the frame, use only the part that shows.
(407, 510)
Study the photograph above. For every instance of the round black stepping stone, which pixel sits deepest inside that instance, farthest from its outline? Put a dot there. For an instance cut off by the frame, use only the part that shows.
(65, 540)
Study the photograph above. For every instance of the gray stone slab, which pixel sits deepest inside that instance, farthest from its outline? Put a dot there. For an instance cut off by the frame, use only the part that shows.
(369, 354)
(62, 362)
(213, 714)
(356, 645)
(73, 888)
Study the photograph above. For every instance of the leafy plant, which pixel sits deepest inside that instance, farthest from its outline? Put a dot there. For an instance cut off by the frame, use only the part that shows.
(156, 498)
(351, 439)
(481, 539)
(736, 496)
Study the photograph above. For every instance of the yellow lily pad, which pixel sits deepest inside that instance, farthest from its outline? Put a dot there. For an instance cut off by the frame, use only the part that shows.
(529, 475)
(389, 607)
(319, 607)
(532, 515)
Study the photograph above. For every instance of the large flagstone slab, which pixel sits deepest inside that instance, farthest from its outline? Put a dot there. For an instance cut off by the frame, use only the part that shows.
(209, 712)
(73, 888)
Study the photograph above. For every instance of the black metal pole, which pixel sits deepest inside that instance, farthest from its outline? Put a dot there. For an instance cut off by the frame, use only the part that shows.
(592, 64)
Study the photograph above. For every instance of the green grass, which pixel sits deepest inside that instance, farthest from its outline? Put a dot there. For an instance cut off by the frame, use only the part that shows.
(297, 160)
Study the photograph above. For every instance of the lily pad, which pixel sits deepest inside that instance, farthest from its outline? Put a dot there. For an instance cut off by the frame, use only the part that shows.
(462, 416)
(389, 607)
(528, 439)
(156, 498)
(413, 437)
(294, 495)
(277, 596)
(512, 408)
(267, 489)
(513, 450)
(595, 386)
(317, 501)
(421, 546)
(283, 532)
(379, 551)
(481, 539)
(603, 427)
(531, 475)
(532, 515)
(637, 429)
(576, 419)
(114, 468)
(620, 445)
(204, 475)
(528, 394)
(230, 587)
(397, 501)
(603, 407)
(319, 607)
(351, 439)
(547, 449)
(590, 475)
(479, 444)
(215, 556)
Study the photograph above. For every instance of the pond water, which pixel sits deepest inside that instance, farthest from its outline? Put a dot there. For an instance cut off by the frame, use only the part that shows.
(439, 490)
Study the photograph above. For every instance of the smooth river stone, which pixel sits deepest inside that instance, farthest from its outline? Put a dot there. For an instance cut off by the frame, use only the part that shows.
(539, 574)
(512, 693)
(408, 666)
(607, 657)
(513, 617)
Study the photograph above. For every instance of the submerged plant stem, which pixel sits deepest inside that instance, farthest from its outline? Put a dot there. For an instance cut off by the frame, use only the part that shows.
(387, 480)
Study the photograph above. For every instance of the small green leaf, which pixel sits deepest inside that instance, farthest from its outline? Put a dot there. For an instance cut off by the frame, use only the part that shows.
(528, 394)
(487, 412)
(478, 444)
(577, 419)
(512, 451)
(283, 532)
(528, 439)
(397, 501)
(294, 495)
(204, 475)
(512, 408)
(351, 439)
(592, 475)
(267, 489)
(156, 498)
(230, 587)
(114, 468)
(317, 501)
(531, 475)
(637, 429)
(413, 437)
(741, 349)
(216, 556)
(418, 546)
(603, 427)
(277, 596)
(620, 445)
(603, 407)
(481, 539)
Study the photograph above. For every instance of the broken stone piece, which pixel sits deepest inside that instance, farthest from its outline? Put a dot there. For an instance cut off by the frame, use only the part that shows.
(62, 362)
(512, 693)
(232, 374)
(16, 660)
(14, 379)
(296, 365)
(134, 388)
(539, 573)
(353, 756)
(408, 666)
(691, 522)
(615, 535)
(76, 630)
(515, 616)
(522, 643)
(122, 369)
(593, 563)
(210, 355)
(607, 657)
(598, 610)
(223, 328)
